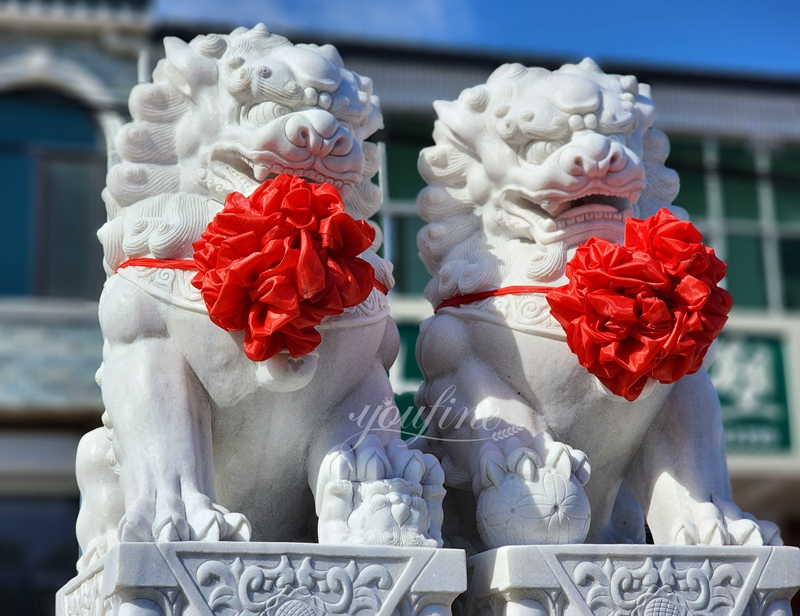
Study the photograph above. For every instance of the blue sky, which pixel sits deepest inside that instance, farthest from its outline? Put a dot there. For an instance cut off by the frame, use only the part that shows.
(756, 37)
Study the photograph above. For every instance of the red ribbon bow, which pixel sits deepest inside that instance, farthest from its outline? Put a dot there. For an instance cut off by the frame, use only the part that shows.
(648, 309)
(276, 263)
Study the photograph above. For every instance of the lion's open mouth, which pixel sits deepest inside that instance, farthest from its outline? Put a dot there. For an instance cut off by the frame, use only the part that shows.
(593, 215)
(618, 202)
(589, 215)
(593, 209)
(245, 173)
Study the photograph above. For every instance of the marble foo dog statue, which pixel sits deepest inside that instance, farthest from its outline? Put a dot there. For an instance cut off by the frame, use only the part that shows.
(566, 339)
(231, 368)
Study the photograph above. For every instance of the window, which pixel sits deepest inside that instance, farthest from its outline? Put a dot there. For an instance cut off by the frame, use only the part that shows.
(405, 137)
(746, 200)
(52, 168)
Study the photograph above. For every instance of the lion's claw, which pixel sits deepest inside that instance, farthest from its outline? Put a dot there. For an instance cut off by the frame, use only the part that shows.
(531, 494)
(376, 494)
(237, 527)
(526, 461)
(169, 519)
(721, 522)
(135, 526)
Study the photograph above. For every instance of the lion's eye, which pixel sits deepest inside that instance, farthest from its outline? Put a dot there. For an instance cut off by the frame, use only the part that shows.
(537, 151)
(266, 112)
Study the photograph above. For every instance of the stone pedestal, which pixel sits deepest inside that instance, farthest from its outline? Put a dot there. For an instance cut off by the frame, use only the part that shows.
(265, 579)
(641, 580)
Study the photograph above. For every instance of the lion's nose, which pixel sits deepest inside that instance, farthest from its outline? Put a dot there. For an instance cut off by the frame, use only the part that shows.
(319, 132)
(593, 156)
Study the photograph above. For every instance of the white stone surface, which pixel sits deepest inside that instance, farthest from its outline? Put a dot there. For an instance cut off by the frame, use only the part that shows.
(604, 580)
(201, 443)
(265, 579)
(525, 168)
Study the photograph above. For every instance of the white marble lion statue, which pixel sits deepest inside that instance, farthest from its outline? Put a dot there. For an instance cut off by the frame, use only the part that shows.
(526, 168)
(201, 442)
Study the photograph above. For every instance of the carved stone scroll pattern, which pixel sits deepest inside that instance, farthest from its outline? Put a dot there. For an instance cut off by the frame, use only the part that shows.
(169, 285)
(375, 304)
(293, 586)
(525, 313)
(87, 599)
(663, 588)
(175, 287)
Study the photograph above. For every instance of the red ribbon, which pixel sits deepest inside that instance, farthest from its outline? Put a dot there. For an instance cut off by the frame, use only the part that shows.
(178, 264)
(648, 309)
(276, 263)
(190, 265)
(469, 298)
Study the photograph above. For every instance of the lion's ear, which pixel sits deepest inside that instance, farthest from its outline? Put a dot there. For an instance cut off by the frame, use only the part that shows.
(187, 68)
(463, 125)
(646, 92)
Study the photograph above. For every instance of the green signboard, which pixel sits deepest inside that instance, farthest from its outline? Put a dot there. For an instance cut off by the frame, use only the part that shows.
(748, 373)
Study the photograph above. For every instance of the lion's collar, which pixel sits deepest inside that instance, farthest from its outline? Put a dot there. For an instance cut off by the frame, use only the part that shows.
(522, 308)
(174, 286)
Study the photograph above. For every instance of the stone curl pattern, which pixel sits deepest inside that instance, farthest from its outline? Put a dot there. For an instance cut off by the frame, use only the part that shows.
(453, 244)
(144, 169)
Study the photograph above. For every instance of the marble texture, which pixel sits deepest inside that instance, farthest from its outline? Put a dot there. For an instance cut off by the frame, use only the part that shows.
(619, 580)
(265, 579)
(526, 168)
(200, 442)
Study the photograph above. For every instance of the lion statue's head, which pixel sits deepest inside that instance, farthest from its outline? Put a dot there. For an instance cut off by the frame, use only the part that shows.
(531, 164)
(224, 113)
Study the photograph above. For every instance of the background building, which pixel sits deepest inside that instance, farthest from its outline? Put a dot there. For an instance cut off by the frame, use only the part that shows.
(65, 73)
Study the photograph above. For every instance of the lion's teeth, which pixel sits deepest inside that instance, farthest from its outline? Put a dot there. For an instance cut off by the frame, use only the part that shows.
(261, 172)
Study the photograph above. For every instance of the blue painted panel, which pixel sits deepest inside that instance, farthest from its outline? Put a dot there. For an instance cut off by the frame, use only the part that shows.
(34, 126)
(16, 218)
(44, 117)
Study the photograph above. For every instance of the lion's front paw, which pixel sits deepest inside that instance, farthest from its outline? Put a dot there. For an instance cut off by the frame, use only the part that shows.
(96, 548)
(532, 495)
(384, 495)
(168, 517)
(722, 523)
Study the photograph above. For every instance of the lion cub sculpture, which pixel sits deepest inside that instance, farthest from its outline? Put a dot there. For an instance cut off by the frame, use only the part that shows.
(526, 168)
(245, 432)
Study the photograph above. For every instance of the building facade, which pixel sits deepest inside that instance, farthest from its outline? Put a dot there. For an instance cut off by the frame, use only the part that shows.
(65, 73)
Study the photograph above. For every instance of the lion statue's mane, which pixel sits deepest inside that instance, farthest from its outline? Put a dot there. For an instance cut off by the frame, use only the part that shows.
(200, 442)
(526, 169)
(453, 245)
(144, 218)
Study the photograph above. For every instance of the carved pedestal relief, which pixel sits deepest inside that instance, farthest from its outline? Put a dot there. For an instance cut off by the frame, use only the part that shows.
(606, 580)
(266, 579)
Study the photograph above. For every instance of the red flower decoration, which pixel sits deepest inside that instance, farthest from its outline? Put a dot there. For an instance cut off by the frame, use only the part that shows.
(276, 263)
(648, 309)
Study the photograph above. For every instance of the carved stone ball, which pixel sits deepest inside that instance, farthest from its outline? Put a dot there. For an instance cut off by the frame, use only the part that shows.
(663, 607)
(296, 608)
(553, 509)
